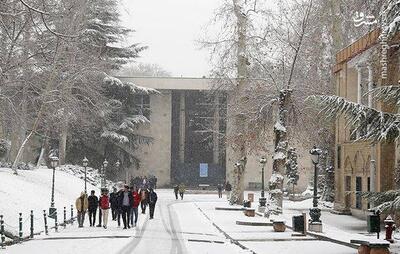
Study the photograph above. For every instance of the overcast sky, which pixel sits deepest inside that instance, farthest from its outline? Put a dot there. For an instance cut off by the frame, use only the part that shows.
(170, 28)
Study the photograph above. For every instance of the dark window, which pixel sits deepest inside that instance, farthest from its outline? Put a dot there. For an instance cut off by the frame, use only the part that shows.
(348, 183)
(339, 156)
(358, 192)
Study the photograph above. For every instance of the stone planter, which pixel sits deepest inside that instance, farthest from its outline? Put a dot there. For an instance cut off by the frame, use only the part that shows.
(279, 226)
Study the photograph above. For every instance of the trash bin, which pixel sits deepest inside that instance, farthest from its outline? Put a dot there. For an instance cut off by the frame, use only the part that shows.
(250, 197)
(246, 203)
(298, 223)
(373, 223)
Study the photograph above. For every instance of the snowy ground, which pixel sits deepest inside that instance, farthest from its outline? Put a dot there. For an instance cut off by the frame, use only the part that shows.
(31, 190)
(192, 225)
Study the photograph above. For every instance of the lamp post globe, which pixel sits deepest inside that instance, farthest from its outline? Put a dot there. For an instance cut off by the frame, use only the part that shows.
(315, 212)
(54, 163)
(85, 163)
(262, 200)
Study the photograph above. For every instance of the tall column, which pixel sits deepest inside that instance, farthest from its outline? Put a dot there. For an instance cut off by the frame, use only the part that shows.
(373, 148)
(182, 127)
(216, 130)
(359, 88)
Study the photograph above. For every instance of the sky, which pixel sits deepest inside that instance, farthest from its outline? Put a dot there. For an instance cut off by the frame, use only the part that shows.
(170, 28)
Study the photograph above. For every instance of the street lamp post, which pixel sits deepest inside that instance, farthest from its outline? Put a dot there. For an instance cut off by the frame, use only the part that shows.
(54, 163)
(315, 212)
(105, 163)
(85, 162)
(262, 200)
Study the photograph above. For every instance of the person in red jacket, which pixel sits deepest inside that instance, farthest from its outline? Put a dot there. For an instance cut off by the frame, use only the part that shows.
(105, 207)
(136, 202)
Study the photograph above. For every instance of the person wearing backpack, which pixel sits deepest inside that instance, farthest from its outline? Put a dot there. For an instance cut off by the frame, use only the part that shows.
(105, 207)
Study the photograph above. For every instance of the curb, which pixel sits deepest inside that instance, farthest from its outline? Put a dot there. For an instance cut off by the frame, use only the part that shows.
(321, 237)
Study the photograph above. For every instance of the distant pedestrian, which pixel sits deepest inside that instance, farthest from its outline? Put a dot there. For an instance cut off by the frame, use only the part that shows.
(145, 182)
(105, 207)
(126, 202)
(114, 203)
(81, 207)
(176, 191)
(135, 206)
(93, 204)
(100, 214)
(155, 182)
(228, 189)
(119, 206)
(152, 202)
(219, 188)
(182, 190)
(144, 195)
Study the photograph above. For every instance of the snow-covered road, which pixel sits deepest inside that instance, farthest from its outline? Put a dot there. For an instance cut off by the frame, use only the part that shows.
(178, 227)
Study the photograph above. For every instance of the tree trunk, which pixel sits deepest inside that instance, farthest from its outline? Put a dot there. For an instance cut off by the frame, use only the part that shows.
(281, 146)
(62, 148)
(239, 97)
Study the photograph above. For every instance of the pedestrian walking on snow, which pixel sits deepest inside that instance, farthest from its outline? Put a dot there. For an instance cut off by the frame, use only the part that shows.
(228, 189)
(119, 206)
(114, 203)
(93, 204)
(182, 190)
(144, 195)
(152, 202)
(105, 207)
(100, 214)
(126, 202)
(135, 206)
(176, 191)
(219, 188)
(81, 207)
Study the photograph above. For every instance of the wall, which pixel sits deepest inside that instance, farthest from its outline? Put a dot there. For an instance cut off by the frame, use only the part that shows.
(156, 157)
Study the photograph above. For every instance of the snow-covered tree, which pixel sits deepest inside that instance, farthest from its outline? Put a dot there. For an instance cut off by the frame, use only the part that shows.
(292, 172)
(123, 117)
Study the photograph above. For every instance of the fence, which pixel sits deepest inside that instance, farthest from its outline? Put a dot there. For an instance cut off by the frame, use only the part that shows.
(20, 237)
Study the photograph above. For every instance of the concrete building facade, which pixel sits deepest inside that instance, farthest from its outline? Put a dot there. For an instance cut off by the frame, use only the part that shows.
(188, 127)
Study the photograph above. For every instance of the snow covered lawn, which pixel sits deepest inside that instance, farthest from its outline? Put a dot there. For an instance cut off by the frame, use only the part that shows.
(31, 190)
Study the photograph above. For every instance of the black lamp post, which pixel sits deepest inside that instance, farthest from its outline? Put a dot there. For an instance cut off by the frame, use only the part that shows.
(262, 200)
(315, 212)
(54, 164)
(85, 162)
(105, 163)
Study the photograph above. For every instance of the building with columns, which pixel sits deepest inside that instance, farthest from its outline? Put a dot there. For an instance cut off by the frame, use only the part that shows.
(362, 166)
(188, 125)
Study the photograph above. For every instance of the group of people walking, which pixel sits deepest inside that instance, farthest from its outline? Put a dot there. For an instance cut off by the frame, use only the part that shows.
(179, 189)
(122, 203)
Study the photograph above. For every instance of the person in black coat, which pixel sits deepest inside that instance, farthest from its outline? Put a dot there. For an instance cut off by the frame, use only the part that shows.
(152, 202)
(126, 203)
(93, 204)
(114, 203)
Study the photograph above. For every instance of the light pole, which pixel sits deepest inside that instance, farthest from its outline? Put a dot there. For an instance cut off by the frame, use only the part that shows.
(105, 163)
(262, 200)
(85, 162)
(54, 163)
(315, 212)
